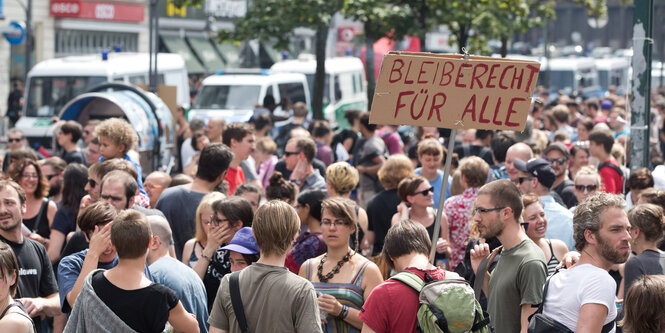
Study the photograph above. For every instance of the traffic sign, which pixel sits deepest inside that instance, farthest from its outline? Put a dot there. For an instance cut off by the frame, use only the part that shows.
(16, 33)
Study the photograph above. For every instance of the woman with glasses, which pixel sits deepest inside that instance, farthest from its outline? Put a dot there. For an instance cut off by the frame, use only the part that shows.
(535, 225)
(343, 279)
(227, 217)
(417, 198)
(579, 155)
(64, 222)
(309, 243)
(191, 252)
(587, 182)
(39, 209)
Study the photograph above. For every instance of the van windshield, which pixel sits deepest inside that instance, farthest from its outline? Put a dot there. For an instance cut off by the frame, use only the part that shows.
(228, 97)
(47, 95)
(562, 80)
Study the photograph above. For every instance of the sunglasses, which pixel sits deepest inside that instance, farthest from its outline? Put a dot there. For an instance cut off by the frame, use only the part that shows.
(589, 188)
(523, 179)
(425, 192)
(487, 210)
(14, 140)
(289, 153)
(558, 161)
(525, 225)
(92, 182)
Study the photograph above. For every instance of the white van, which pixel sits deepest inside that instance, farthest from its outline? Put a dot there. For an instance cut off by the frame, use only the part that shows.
(234, 95)
(571, 75)
(52, 83)
(345, 85)
(613, 71)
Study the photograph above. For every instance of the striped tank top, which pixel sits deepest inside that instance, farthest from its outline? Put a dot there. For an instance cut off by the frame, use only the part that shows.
(350, 294)
(551, 265)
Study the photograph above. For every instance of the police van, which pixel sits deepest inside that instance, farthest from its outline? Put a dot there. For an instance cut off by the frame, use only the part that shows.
(613, 71)
(51, 84)
(233, 95)
(571, 75)
(345, 84)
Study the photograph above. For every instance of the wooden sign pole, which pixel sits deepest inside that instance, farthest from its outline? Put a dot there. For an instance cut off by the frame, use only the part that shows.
(442, 197)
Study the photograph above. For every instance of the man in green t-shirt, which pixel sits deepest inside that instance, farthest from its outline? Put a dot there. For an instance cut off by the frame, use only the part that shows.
(515, 285)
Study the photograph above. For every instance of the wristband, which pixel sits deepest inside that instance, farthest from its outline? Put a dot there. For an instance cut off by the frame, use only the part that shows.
(344, 312)
(204, 256)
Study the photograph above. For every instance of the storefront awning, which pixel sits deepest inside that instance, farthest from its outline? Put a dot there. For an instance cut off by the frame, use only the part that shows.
(207, 53)
(231, 53)
(175, 44)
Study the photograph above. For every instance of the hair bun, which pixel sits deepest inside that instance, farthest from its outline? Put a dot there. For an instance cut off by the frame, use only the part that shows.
(276, 179)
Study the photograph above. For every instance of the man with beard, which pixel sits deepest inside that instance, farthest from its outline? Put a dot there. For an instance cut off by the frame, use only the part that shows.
(516, 283)
(54, 170)
(586, 290)
(37, 288)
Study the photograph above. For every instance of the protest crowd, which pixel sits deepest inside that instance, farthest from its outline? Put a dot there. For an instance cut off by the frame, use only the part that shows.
(306, 228)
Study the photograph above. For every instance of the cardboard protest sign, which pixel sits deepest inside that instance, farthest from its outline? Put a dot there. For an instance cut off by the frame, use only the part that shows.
(447, 91)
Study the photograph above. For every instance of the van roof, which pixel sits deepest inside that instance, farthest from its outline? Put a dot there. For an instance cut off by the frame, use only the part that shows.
(93, 65)
(253, 79)
(611, 63)
(307, 65)
(561, 64)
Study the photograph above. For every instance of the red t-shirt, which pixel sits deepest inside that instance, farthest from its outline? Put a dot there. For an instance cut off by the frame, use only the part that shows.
(235, 178)
(611, 179)
(393, 306)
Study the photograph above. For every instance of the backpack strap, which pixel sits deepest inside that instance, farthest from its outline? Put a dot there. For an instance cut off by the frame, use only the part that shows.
(236, 301)
(614, 167)
(410, 279)
(480, 275)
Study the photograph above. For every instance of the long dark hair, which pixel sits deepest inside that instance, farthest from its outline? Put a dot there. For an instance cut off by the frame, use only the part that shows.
(75, 178)
(340, 138)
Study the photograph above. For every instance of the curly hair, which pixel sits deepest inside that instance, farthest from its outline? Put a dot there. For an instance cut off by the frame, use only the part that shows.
(587, 215)
(16, 170)
(119, 131)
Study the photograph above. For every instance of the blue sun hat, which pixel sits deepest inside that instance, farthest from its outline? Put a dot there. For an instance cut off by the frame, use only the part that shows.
(243, 242)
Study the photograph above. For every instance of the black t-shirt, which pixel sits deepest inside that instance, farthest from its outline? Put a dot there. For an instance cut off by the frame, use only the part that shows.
(217, 268)
(380, 211)
(75, 156)
(144, 310)
(36, 278)
(76, 244)
(566, 191)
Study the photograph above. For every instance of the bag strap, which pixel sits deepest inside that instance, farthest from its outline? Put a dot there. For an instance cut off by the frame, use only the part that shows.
(547, 284)
(608, 327)
(236, 301)
(43, 206)
(410, 279)
(482, 269)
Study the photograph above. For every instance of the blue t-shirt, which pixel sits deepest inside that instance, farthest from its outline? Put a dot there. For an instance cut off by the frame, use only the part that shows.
(64, 221)
(187, 285)
(437, 184)
(69, 269)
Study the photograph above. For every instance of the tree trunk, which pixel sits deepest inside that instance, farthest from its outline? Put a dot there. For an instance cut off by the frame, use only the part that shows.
(504, 47)
(369, 65)
(320, 74)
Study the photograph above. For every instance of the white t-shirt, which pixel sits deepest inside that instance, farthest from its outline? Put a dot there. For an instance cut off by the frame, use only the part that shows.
(572, 288)
(186, 152)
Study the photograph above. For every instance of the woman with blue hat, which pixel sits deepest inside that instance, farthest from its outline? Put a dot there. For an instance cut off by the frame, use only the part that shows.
(243, 250)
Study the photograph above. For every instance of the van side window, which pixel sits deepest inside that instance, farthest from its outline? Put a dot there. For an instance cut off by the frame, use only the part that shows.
(294, 91)
(338, 89)
(138, 79)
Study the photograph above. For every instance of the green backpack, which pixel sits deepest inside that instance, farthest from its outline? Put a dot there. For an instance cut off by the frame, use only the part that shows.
(446, 306)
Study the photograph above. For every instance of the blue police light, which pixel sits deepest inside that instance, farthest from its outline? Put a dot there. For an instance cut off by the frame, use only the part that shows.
(220, 72)
(285, 55)
(105, 55)
(117, 48)
(347, 52)
(265, 71)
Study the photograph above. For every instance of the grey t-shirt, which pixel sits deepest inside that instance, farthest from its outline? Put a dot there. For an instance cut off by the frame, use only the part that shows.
(372, 147)
(179, 206)
(274, 300)
(648, 262)
(517, 279)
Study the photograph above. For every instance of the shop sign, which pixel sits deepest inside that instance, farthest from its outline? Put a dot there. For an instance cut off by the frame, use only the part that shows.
(105, 11)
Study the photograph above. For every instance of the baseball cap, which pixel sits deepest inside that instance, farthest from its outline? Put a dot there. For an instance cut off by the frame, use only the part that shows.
(606, 104)
(539, 168)
(243, 242)
(558, 146)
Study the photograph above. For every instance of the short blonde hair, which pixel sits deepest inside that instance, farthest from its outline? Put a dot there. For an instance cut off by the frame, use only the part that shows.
(475, 169)
(206, 203)
(119, 131)
(396, 168)
(275, 227)
(342, 177)
(266, 145)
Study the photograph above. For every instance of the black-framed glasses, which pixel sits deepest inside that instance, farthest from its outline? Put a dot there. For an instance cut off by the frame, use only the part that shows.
(525, 225)
(92, 182)
(523, 179)
(559, 161)
(487, 210)
(14, 139)
(289, 153)
(589, 188)
(426, 191)
(215, 221)
(337, 224)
